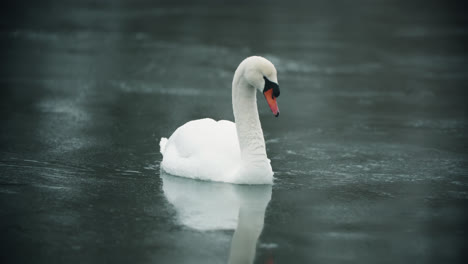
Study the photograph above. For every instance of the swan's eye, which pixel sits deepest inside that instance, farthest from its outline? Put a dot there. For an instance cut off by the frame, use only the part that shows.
(271, 85)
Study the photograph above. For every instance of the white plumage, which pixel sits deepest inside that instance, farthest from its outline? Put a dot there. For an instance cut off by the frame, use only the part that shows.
(222, 150)
(203, 149)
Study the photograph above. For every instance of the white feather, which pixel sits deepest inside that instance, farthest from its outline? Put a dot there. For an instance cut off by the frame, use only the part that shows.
(224, 151)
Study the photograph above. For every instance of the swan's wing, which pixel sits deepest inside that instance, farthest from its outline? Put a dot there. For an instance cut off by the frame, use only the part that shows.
(203, 149)
(162, 145)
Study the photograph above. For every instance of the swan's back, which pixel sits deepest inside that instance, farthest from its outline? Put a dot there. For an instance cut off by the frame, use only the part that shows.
(202, 149)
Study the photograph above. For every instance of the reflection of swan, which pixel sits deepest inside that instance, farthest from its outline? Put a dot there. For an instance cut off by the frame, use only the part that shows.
(219, 206)
(223, 151)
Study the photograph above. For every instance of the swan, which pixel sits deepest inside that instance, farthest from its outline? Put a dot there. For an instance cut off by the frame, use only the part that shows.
(224, 151)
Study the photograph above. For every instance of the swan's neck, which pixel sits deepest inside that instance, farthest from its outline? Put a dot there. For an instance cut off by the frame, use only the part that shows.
(249, 130)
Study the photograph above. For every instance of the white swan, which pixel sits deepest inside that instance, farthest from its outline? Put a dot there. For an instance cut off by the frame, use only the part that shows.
(223, 151)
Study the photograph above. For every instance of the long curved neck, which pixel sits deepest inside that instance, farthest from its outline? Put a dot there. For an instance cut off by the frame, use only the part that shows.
(249, 130)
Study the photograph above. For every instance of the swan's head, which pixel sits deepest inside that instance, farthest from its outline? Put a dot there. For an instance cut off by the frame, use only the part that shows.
(261, 74)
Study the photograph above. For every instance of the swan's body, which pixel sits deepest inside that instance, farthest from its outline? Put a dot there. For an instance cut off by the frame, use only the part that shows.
(226, 151)
(208, 150)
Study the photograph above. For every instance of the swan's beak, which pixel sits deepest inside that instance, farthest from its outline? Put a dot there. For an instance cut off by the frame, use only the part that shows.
(271, 99)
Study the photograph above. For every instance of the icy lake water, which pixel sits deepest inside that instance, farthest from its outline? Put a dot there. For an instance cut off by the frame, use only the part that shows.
(369, 153)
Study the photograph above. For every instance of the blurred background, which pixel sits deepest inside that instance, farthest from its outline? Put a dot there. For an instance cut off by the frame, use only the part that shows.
(369, 153)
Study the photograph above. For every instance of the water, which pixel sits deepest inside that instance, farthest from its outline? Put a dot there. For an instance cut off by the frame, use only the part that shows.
(369, 153)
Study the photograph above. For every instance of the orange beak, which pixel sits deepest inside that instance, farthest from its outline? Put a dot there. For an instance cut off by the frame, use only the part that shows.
(272, 102)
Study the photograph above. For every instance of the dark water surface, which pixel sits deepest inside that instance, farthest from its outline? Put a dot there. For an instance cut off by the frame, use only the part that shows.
(369, 153)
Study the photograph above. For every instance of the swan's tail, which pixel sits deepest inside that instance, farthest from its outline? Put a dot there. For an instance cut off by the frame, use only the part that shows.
(162, 145)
